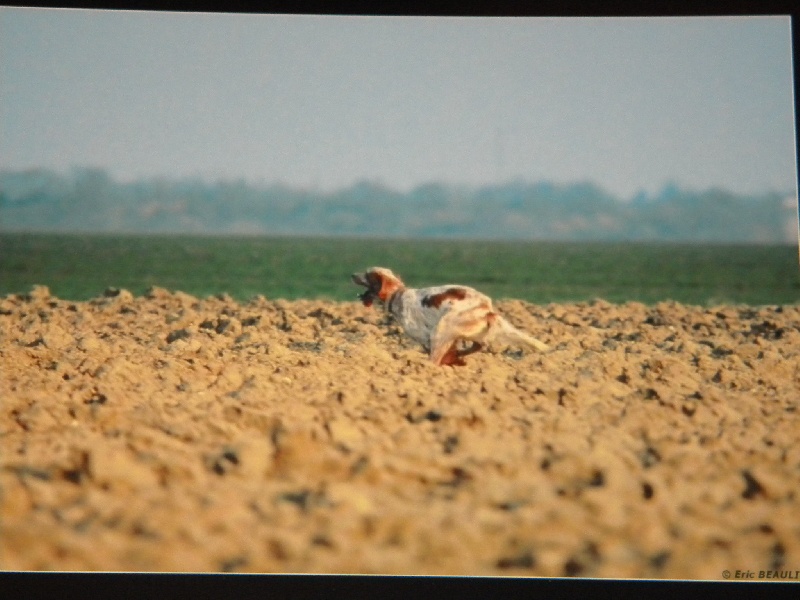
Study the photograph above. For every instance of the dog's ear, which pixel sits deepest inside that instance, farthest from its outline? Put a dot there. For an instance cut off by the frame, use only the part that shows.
(374, 281)
(384, 283)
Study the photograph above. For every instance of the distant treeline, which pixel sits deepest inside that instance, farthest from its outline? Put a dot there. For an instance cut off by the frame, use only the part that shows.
(90, 200)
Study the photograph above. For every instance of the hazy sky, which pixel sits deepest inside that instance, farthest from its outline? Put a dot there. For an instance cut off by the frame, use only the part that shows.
(323, 102)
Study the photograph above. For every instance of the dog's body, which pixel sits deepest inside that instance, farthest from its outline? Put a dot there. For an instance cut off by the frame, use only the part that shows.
(439, 317)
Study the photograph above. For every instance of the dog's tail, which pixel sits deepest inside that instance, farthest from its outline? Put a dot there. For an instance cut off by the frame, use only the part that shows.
(506, 333)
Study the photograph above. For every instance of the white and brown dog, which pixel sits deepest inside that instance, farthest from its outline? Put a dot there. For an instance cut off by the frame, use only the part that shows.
(439, 317)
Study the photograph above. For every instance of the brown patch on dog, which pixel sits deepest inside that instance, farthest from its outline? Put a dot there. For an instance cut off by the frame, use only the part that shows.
(453, 358)
(388, 286)
(436, 300)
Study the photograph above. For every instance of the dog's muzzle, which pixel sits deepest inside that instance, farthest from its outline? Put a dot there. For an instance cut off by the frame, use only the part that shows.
(367, 297)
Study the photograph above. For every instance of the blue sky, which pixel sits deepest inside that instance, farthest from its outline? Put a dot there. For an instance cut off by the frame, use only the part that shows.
(322, 102)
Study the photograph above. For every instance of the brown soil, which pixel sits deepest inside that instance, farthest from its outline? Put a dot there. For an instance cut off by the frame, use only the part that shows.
(169, 433)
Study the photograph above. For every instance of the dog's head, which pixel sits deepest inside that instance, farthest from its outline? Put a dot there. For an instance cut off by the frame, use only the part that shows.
(380, 283)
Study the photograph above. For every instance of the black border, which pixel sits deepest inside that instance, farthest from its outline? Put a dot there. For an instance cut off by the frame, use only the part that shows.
(541, 8)
(31, 586)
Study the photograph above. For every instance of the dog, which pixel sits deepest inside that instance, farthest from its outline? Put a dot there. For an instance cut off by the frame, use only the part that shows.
(440, 317)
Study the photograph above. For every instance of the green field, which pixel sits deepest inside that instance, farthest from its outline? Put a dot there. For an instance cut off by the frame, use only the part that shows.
(78, 267)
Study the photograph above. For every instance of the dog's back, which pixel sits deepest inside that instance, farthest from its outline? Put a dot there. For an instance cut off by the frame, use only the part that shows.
(419, 311)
